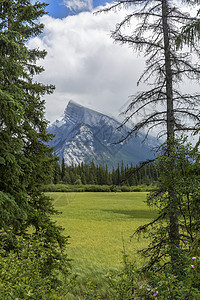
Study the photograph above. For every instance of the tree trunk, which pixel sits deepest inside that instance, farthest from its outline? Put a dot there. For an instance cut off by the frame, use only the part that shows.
(174, 224)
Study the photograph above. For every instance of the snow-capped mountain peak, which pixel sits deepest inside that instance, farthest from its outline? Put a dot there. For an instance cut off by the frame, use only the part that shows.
(83, 135)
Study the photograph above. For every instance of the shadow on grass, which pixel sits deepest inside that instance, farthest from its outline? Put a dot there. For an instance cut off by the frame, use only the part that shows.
(136, 214)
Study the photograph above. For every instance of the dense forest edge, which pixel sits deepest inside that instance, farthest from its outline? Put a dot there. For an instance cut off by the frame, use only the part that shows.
(96, 188)
(96, 178)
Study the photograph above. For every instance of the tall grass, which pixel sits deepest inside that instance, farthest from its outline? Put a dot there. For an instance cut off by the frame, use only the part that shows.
(100, 226)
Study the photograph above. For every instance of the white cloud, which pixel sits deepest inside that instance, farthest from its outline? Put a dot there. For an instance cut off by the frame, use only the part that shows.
(78, 5)
(85, 65)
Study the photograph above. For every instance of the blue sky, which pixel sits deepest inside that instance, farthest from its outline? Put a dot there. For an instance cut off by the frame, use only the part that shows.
(59, 9)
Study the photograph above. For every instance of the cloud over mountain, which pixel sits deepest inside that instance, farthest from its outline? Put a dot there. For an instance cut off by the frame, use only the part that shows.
(84, 63)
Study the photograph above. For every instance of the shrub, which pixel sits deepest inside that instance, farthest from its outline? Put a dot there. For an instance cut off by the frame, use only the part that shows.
(33, 272)
(97, 188)
(125, 284)
(130, 283)
(125, 188)
(170, 286)
(136, 190)
(115, 188)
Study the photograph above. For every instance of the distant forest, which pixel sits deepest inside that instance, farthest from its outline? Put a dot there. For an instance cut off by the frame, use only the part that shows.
(99, 175)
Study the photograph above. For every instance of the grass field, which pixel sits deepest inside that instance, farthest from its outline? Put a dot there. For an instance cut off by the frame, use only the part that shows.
(99, 224)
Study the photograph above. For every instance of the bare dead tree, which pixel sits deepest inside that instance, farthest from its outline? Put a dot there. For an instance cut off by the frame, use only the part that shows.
(151, 27)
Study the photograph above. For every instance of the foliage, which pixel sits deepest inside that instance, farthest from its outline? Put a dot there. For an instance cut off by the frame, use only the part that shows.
(170, 286)
(96, 188)
(26, 160)
(190, 33)
(98, 175)
(124, 284)
(24, 274)
(91, 292)
(32, 261)
(131, 283)
(185, 179)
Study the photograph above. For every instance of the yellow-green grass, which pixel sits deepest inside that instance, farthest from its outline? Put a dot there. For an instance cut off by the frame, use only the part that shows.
(99, 224)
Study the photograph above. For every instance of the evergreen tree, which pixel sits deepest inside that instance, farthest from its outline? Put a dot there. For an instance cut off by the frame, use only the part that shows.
(131, 176)
(108, 178)
(92, 173)
(113, 176)
(118, 175)
(122, 170)
(25, 159)
(63, 169)
(66, 178)
(87, 173)
(83, 178)
(56, 173)
(190, 32)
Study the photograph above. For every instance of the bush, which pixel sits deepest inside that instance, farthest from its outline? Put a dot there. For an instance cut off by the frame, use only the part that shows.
(33, 272)
(55, 188)
(78, 187)
(136, 190)
(131, 283)
(115, 188)
(97, 188)
(170, 286)
(125, 188)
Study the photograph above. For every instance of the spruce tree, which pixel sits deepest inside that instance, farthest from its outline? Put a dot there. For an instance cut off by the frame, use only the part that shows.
(25, 158)
(56, 173)
(63, 169)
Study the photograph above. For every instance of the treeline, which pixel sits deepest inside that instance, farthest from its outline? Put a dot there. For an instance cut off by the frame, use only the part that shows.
(99, 175)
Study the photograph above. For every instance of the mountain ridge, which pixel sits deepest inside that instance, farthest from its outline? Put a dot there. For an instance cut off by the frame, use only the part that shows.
(85, 135)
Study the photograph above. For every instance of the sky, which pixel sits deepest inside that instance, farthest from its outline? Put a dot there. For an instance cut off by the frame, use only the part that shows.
(83, 62)
(64, 8)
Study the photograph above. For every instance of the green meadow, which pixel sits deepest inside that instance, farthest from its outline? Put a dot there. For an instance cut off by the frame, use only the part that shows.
(100, 226)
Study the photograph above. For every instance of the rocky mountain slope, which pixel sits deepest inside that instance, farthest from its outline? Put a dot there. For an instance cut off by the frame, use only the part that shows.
(83, 135)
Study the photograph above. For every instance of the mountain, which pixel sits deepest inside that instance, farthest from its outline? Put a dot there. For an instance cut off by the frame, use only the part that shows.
(83, 135)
